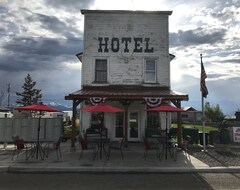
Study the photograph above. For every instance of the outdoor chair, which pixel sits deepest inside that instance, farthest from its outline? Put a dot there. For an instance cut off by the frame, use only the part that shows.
(151, 145)
(185, 146)
(85, 145)
(57, 147)
(115, 145)
(19, 146)
(173, 150)
(168, 146)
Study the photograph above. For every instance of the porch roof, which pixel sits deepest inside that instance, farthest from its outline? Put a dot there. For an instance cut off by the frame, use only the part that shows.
(125, 92)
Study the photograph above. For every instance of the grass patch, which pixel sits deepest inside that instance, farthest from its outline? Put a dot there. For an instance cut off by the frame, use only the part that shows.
(199, 127)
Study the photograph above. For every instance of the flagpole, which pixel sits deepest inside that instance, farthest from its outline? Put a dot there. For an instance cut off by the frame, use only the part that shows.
(203, 117)
(203, 126)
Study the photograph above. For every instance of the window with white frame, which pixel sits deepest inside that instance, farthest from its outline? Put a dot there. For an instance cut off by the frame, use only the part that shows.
(101, 70)
(150, 70)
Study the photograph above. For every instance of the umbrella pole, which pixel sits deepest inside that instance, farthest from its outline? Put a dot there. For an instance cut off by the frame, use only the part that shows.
(38, 133)
(166, 138)
(101, 145)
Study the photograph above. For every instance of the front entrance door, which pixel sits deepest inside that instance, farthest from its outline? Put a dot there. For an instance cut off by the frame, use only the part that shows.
(133, 126)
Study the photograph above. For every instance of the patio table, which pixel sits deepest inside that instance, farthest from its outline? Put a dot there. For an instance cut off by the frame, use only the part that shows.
(42, 146)
(99, 142)
(167, 146)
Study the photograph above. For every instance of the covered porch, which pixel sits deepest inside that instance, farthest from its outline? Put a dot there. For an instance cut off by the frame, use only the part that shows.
(128, 97)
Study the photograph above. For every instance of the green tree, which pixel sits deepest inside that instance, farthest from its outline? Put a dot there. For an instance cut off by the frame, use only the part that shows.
(213, 113)
(30, 95)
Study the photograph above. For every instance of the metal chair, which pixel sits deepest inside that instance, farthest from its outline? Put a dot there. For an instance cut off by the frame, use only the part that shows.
(85, 145)
(151, 145)
(19, 146)
(57, 147)
(185, 146)
(115, 145)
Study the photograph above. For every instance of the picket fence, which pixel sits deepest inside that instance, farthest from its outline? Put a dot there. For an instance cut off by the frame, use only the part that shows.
(27, 128)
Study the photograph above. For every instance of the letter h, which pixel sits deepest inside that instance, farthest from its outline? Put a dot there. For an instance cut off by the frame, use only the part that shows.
(101, 43)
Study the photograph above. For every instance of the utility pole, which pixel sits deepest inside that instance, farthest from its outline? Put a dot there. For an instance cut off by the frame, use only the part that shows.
(8, 95)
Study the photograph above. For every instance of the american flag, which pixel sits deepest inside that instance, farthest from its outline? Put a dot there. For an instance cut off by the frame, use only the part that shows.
(203, 86)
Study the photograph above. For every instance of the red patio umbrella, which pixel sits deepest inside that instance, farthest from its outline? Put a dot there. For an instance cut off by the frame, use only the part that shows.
(103, 107)
(165, 108)
(41, 108)
(38, 107)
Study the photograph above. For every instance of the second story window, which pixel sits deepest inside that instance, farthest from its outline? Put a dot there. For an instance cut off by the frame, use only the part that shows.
(101, 70)
(150, 71)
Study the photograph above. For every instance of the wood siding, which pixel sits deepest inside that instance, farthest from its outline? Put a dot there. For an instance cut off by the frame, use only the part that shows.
(126, 68)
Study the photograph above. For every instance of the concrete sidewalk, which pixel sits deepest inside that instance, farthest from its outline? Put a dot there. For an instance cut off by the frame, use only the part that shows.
(133, 162)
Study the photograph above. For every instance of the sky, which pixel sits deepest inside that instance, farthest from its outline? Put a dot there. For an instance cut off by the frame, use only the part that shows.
(42, 38)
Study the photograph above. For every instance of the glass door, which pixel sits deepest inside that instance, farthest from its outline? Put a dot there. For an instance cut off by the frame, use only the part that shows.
(119, 125)
(133, 126)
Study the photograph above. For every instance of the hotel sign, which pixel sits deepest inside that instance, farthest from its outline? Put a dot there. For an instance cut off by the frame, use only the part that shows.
(140, 45)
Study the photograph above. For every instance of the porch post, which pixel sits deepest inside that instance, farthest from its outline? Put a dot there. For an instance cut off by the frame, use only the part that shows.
(125, 104)
(74, 115)
(126, 126)
(179, 122)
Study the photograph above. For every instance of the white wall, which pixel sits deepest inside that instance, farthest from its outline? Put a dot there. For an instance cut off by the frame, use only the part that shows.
(26, 128)
(120, 71)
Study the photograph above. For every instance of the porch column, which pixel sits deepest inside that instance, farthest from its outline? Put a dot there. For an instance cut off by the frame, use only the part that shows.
(179, 122)
(126, 126)
(125, 104)
(74, 115)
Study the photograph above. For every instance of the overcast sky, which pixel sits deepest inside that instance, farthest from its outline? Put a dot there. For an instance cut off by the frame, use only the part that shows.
(42, 37)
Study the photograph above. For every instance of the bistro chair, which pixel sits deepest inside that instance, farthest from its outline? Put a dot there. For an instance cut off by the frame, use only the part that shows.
(57, 147)
(185, 146)
(85, 145)
(169, 146)
(116, 145)
(19, 146)
(151, 146)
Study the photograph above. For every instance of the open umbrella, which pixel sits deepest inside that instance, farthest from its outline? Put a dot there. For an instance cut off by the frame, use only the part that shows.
(165, 108)
(103, 107)
(41, 108)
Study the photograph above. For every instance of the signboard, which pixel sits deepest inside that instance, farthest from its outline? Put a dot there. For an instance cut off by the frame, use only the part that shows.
(236, 134)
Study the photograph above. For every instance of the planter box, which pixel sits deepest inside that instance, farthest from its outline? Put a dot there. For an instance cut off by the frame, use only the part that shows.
(222, 147)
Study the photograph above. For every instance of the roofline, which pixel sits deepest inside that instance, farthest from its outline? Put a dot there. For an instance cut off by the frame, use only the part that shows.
(116, 96)
(87, 11)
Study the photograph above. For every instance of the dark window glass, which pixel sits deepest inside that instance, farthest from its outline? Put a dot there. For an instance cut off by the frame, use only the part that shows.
(150, 70)
(152, 119)
(119, 124)
(101, 70)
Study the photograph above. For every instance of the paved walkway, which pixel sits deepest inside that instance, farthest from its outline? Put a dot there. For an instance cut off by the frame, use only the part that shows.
(133, 162)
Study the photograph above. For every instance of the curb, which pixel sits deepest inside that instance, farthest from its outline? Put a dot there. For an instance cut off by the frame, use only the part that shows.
(3, 169)
(140, 170)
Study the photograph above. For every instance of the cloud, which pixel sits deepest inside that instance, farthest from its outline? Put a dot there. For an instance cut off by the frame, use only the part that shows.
(30, 54)
(70, 4)
(54, 25)
(196, 37)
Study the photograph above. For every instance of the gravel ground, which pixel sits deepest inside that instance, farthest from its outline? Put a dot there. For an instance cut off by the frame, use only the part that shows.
(214, 158)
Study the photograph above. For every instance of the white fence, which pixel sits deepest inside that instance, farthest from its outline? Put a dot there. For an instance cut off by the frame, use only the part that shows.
(26, 128)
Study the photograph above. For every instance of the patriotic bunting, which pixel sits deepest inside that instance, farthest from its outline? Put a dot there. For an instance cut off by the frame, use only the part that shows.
(96, 100)
(152, 102)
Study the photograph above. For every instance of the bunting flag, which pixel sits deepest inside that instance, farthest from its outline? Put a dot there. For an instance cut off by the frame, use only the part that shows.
(96, 100)
(152, 102)
(203, 86)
